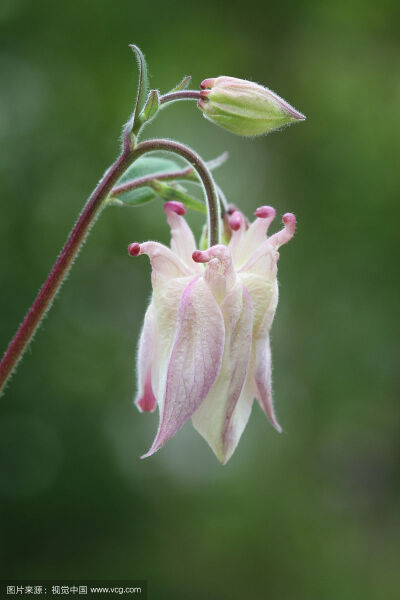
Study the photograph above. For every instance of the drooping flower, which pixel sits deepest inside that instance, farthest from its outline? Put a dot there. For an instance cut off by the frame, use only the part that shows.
(244, 107)
(204, 349)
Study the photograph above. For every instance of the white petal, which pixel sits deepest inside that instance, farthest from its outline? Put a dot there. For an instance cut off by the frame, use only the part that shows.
(263, 379)
(194, 362)
(255, 235)
(145, 399)
(221, 418)
(182, 239)
(163, 260)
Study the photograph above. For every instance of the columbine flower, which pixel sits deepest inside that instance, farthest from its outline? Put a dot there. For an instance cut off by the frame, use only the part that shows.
(244, 107)
(204, 349)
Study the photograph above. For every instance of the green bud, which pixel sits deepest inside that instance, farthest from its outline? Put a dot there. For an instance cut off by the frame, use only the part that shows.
(151, 107)
(244, 107)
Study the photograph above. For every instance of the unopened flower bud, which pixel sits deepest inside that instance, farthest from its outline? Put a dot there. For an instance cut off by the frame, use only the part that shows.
(244, 107)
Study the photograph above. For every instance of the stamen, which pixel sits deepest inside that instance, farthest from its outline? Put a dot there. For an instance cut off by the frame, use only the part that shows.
(174, 206)
(134, 249)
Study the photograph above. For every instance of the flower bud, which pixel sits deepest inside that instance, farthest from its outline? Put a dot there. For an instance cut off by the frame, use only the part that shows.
(244, 107)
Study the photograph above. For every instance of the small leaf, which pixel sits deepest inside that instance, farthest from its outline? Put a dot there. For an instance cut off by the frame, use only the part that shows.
(218, 161)
(151, 107)
(146, 165)
(182, 85)
(178, 193)
(143, 80)
(212, 164)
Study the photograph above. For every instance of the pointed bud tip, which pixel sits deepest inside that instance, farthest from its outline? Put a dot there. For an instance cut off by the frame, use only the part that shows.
(175, 206)
(265, 212)
(296, 115)
(134, 249)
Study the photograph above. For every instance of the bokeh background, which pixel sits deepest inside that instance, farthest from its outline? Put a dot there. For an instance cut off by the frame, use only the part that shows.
(309, 515)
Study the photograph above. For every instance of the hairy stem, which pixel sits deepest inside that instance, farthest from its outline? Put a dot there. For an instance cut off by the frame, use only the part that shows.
(204, 174)
(62, 265)
(148, 179)
(181, 95)
(86, 219)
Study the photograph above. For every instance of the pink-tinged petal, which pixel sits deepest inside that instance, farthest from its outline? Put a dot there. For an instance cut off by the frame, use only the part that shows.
(263, 261)
(257, 231)
(285, 235)
(219, 273)
(264, 295)
(167, 297)
(162, 259)
(182, 239)
(218, 419)
(262, 374)
(238, 225)
(147, 402)
(195, 360)
(246, 244)
(145, 399)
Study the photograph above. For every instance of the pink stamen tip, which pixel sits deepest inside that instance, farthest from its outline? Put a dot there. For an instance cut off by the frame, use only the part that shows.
(134, 249)
(200, 257)
(235, 221)
(265, 212)
(176, 207)
(290, 221)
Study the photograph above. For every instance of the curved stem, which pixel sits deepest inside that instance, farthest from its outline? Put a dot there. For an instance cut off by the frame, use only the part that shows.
(62, 265)
(86, 219)
(182, 95)
(213, 207)
(222, 199)
(148, 179)
(186, 173)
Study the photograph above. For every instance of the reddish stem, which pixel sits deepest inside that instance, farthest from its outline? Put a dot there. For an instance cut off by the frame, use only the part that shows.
(57, 274)
(181, 95)
(148, 179)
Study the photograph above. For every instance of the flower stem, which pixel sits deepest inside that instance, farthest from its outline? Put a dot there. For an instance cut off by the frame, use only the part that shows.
(213, 207)
(146, 180)
(62, 265)
(78, 234)
(187, 173)
(181, 95)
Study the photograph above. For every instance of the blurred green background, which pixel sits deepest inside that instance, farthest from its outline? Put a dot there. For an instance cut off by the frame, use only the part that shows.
(309, 515)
